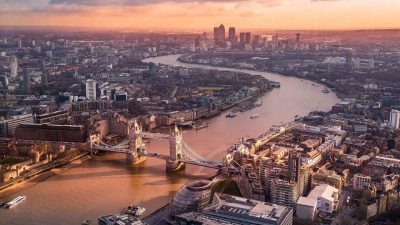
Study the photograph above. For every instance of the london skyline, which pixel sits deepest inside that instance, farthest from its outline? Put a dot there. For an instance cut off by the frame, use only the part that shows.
(181, 14)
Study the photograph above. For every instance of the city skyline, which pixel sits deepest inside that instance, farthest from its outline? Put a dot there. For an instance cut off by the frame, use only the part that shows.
(196, 15)
(182, 112)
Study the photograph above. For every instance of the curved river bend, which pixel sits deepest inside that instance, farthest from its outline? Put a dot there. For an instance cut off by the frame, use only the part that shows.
(104, 185)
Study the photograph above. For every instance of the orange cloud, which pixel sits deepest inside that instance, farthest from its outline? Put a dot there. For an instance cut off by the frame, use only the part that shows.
(274, 14)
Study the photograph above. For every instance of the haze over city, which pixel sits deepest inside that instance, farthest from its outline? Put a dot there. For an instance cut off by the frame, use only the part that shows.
(195, 14)
(215, 112)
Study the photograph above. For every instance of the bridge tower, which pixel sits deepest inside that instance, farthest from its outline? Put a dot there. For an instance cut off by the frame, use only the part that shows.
(175, 151)
(136, 146)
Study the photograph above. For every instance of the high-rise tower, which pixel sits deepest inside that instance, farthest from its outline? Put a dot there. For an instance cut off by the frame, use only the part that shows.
(91, 89)
(44, 73)
(14, 66)
(219, 34)
(394, 120)
(27, 81)
(231, 34)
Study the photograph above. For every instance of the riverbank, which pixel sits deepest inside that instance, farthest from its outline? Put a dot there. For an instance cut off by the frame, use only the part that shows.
(333, 88)
(286, 99)
(105, 184)
(41, 174)
(243, 100)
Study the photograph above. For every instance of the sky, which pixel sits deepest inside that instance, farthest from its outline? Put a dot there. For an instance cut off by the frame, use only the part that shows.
(197, 14)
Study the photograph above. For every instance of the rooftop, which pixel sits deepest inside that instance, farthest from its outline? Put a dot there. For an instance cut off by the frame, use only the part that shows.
(243, 207)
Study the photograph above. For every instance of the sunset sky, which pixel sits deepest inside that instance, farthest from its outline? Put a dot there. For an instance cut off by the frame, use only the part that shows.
(196, 14)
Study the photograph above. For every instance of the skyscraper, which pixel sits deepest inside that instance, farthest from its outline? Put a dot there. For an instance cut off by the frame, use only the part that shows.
(219, 34)
(231, 34)
(14, 66)
(91, 89)
(349, 60)
(242, 37)
(394, 120)
(256, 40)
(297, 37)
(247, 38)
(91, 47)
(27, 81)
(44, 73)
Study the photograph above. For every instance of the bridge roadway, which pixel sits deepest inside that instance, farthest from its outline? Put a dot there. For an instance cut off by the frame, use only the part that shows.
(203, 163)
(189, 157)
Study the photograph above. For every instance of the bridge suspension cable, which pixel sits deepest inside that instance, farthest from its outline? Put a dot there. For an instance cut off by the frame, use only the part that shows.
(191, 153)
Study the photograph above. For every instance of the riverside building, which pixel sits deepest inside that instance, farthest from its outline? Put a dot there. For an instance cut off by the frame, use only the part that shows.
(228, 209)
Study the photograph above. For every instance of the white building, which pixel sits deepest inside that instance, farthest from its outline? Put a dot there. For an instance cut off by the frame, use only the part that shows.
(91, 89)
(14, 66)
(323, 198)
(394, 119)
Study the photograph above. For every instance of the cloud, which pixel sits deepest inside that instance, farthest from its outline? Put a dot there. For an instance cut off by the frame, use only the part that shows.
(124, 7)
(326, 0)
(135, 2)
(16, 7)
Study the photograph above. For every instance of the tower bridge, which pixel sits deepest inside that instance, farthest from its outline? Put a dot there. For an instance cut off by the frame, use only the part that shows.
(179, 152)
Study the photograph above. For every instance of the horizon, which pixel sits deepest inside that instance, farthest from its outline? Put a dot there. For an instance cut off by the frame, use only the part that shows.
(184, 29)
(204, 15)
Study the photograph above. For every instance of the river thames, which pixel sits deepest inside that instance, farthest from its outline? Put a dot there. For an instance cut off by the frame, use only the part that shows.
(105, 185)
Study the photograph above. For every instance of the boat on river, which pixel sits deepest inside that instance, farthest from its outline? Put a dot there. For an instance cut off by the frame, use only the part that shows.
(14, 202)
(325, 91)
(86, 222)
(255, 116)
(231, 115)
(134, 210)
(184, 124)
(200, 126)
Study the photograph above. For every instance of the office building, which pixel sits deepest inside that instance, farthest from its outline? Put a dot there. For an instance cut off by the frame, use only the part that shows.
(27, 81)
(51, 132)
(228, 209)
(119, 219)
(294, 166)
(231, 34)
(4, 81)
(7, 127)
(286, 191)
(256, 40)
(242, 38)
(219, 34)
(14, 66)
(297, 37)
(91, 89)
(49, 54)
(330, 177)
(349, 60)
(40, 109)
(394, 120)
(361, 182)
(44, 73)
(247, 38)
(57, 117)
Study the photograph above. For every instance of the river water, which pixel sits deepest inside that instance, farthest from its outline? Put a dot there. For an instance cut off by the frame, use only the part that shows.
(105, 185)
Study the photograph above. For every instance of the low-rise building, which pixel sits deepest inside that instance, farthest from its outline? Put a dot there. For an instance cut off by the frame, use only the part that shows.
(323, 198)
